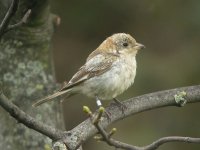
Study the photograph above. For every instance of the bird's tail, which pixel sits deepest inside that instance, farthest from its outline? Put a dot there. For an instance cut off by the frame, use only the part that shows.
(49, 98)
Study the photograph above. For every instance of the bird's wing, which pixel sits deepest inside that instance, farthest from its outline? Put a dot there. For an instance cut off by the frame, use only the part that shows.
(94, 66)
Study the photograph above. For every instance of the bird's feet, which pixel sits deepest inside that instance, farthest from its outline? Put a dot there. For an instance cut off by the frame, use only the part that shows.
(99, 104)
(120, 105)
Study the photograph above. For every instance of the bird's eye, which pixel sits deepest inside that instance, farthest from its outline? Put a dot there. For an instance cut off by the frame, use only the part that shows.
(125, 44)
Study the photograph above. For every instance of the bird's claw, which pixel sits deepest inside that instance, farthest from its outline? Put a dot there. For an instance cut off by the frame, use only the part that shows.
(120, 105)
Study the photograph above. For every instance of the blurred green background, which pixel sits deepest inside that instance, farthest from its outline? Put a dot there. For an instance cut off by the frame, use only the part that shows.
(170, 30)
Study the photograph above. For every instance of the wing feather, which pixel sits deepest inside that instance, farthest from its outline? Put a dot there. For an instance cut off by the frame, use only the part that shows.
(95, 66)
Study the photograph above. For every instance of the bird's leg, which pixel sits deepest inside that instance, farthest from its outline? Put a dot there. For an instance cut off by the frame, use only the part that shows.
(99, 104)
(120, 105)
(98, 101)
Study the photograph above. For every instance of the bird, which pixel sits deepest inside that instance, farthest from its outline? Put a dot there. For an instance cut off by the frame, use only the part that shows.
(108, 71)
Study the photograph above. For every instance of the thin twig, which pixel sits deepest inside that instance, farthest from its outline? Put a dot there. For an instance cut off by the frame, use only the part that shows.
(107, 137)
(4, 26)
(110, 141)
(117, 144)
(9, 14)
(168, 139)
(22, 21)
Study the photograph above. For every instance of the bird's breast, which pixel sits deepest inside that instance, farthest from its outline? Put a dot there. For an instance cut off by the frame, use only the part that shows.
(113, 82)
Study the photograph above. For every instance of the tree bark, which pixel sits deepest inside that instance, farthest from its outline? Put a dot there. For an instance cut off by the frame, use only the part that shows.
(27, 73)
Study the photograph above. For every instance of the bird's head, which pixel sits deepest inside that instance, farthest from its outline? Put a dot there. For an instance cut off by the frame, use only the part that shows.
(121, 43)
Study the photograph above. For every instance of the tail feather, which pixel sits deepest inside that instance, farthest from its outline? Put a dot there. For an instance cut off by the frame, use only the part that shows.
(49, 98)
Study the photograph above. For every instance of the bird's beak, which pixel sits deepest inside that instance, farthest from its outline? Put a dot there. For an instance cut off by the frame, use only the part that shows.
(139, 46)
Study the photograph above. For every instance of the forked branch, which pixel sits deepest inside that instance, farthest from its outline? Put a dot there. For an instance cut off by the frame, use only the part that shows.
(118, 144)
(74, 138)
(4, 26)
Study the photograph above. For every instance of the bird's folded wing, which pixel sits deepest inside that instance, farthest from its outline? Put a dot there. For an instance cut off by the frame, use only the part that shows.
(95, 66)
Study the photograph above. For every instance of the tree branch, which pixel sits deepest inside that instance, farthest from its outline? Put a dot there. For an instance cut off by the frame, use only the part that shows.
(4, 26)
(28, 121)
(117, 144)
(134, 105)
(164, 140)
(77, 136)
(22, 21)
(152, 146)
(10, 13)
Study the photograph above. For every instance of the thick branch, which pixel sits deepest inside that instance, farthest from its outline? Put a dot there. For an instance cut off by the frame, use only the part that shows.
(74, 138)
(27, 120)
(134, 105)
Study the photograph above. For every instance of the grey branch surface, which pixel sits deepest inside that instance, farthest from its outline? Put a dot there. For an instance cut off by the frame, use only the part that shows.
(81, 133)
(29, 121)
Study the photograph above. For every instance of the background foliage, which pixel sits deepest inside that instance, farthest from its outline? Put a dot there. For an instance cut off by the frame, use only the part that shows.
(169, 30)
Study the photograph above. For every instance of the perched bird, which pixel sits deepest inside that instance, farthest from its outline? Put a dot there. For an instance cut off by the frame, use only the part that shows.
(109, 70)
